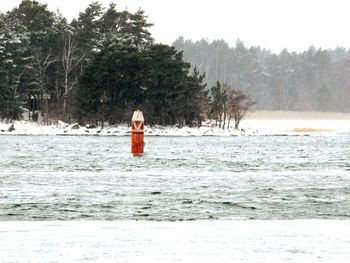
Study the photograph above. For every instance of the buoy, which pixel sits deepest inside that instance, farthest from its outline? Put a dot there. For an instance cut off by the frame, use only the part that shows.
(137, 134)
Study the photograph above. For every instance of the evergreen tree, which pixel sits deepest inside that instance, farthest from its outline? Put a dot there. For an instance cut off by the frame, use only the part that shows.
(114, 77)
(89, 37)
(217, 103)
(155, 80)
(196, 100)
(38, 23)
(13, 54)
(166, 73)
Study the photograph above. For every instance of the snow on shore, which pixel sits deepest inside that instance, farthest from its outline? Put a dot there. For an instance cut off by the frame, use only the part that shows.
(258, 124)
(198, 241)
(248, 128)
(30, 128)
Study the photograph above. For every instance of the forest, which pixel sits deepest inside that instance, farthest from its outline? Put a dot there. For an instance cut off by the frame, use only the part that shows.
(104, 64)
(313, 80)
(98, 68)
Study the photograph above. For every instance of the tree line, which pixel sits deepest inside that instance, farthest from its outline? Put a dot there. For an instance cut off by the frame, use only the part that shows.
(156, 80)
(313, 80)
(43, 56)
(99, 68)
(104, 64)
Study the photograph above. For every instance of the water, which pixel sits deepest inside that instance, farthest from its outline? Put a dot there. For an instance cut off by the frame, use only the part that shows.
(179, 178)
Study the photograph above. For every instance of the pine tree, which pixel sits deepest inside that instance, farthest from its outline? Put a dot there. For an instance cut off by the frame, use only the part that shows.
(13, 54)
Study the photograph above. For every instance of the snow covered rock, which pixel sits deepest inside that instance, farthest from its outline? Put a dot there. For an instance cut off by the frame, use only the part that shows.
(90, 126)
(74, 126)
(12, 127)
(62, 125)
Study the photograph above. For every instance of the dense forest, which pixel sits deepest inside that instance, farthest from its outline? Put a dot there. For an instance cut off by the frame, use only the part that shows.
(313, 80)
(97, 68)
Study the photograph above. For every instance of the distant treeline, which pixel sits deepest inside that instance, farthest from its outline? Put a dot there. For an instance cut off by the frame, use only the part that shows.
(314, 80)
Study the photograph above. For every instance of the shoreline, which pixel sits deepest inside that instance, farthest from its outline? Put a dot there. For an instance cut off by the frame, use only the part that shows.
(260, 123)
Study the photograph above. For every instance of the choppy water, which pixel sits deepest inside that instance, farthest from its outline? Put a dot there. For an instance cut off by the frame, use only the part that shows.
(179, 178)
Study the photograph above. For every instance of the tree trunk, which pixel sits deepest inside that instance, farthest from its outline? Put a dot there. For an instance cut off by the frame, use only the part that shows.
(223, 126)
(237, 120)
(229, 121)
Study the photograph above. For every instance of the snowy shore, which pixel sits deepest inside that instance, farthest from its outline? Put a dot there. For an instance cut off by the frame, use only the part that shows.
(260, 123)
(200, 241)
(247, 128)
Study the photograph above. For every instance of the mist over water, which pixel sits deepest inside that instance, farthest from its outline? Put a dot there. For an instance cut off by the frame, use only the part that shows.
(179, 178)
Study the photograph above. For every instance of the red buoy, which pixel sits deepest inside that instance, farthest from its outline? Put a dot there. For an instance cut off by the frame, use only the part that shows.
(137, 133)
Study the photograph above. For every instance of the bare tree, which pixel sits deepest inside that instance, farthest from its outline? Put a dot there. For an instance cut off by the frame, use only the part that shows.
(229, 103)
(70, 60)
(238, 105)
(39, 64)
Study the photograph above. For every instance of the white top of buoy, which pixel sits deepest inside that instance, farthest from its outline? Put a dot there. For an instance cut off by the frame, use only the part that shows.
(137, 116)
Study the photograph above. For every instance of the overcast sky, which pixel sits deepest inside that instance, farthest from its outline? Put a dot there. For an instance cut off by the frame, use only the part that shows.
(271, 24)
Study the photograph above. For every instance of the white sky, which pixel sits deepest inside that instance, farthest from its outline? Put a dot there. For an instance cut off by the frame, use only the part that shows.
(271, 24)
